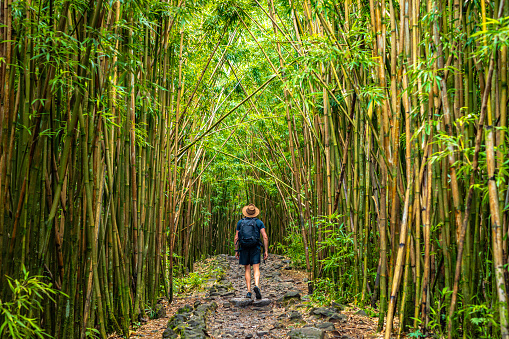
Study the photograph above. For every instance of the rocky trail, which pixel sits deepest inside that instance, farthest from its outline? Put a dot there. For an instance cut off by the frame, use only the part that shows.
(219, 309)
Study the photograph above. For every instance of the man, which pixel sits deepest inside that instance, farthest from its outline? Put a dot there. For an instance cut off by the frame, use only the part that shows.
(247, 246)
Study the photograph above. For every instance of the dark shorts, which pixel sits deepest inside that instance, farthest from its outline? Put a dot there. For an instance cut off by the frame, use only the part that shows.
(249, 256)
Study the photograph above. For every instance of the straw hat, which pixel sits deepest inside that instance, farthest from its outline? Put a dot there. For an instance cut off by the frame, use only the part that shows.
(250, 211)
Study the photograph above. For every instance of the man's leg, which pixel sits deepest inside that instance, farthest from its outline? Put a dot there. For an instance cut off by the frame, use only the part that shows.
(248, 277)
(256, 269)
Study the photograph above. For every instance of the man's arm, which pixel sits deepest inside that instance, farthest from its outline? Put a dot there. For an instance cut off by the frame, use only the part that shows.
(265, 243)
(236, 244)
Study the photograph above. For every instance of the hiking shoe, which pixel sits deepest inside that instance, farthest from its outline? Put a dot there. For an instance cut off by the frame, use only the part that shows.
(257, 292)
(248, 295)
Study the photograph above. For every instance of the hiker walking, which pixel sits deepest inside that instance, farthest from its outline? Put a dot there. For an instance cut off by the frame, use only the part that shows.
(247, 246)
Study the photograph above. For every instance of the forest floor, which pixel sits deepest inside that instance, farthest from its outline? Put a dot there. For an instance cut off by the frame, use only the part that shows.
(290, 313)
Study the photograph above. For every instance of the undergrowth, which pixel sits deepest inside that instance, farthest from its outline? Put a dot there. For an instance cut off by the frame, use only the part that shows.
(196, 280)
(293, 247)
(336, 270)
(16, 319)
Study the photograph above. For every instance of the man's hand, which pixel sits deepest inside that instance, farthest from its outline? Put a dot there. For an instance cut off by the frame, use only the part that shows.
(237, 255)
(265, 255)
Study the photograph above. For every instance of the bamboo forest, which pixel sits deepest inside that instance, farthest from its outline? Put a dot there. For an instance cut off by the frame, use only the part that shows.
(371, 135)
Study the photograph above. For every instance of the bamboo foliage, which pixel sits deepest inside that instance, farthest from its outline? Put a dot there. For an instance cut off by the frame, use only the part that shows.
(133, 135)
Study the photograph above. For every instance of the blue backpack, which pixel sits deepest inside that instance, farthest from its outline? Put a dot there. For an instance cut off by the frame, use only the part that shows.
(249, 233)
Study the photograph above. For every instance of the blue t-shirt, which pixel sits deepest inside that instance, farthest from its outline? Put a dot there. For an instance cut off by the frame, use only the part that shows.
(259, 223)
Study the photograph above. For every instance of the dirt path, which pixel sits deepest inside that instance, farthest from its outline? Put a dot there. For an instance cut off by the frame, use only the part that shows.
(216, 311)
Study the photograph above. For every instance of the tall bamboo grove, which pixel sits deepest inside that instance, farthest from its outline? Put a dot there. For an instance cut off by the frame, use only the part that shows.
(377, 141)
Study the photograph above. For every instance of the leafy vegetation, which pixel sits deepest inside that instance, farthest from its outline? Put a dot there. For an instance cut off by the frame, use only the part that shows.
(372, 136)
(17, 318)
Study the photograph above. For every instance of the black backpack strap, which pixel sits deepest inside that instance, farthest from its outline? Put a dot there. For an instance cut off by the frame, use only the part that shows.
(238, 240)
